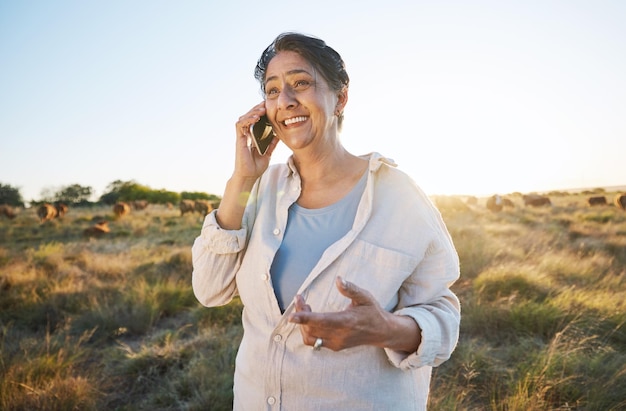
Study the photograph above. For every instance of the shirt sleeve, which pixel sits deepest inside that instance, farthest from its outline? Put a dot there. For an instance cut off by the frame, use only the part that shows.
(216, 257)
(439, 323)
(426, 297)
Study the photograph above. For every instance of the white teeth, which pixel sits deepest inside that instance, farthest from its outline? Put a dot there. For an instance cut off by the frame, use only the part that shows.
(294, 120)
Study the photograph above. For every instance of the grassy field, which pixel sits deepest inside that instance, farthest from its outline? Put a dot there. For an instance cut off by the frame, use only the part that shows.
(112, 323)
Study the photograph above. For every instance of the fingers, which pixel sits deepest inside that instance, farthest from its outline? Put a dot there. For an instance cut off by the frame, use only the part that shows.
(358, 295)
(305, 315)
(301, 305)
(272, 146)
(250, 118)
(248, 162)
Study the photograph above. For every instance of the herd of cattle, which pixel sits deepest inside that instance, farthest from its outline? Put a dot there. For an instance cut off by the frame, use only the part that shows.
(47, 211)
(495, 203)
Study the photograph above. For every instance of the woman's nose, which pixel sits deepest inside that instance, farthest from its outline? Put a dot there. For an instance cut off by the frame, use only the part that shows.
(287, 99)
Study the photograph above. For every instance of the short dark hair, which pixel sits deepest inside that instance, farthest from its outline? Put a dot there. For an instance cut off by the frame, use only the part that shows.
(323, 57)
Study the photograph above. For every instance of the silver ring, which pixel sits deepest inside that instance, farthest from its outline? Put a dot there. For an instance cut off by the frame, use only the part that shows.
(318, 344)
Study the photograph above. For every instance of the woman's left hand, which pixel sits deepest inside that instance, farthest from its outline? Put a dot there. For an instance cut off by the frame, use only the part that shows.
(363, 322)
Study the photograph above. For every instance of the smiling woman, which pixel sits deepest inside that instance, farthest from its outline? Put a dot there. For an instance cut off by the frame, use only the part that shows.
(345, 307)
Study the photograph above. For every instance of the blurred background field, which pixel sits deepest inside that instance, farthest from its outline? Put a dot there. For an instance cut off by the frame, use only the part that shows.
(110, 322)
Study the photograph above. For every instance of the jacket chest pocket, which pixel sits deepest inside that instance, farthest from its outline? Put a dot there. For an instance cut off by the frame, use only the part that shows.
(379, 270)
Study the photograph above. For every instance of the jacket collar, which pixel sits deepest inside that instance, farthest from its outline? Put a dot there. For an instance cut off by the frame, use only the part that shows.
(376, 160)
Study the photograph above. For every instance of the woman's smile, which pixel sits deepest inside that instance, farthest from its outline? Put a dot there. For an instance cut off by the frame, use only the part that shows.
(295, 120)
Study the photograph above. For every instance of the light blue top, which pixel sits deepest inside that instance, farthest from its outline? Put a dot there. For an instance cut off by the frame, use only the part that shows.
(308, 233)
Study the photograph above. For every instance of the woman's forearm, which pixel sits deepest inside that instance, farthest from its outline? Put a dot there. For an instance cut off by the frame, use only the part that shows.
(402, 334)
(233, 203)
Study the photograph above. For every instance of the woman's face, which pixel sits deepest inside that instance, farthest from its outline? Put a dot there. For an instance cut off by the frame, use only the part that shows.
(299, 102)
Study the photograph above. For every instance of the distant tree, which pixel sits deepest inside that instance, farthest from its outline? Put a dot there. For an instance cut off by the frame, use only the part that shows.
(73, 194)
(130, 190)
(116, 185)
(112, 194)
(124, 191)
(11, 196)
(110, 197)
(163, 197)
(198, 195)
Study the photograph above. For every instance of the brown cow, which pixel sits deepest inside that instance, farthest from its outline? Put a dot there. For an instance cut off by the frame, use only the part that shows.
(595, 201)
(97, 230)
(494, 203)
(140, 204)
(8, 211)
(620, 201)
(187, 206)
(536, 200)
(120, 209)
(61, 209)
(46, 212)
(203, 207)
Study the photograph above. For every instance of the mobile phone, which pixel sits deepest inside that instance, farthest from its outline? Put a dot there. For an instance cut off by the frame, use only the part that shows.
(262, 134)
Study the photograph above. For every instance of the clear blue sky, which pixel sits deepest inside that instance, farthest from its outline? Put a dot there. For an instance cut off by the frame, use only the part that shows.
(467, 97)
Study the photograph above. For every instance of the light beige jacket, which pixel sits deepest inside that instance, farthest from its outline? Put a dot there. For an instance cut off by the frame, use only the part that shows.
(398, 248)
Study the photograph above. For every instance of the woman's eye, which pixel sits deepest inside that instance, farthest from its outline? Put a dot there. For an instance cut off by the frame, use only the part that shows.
(302, 83)
(273, 92)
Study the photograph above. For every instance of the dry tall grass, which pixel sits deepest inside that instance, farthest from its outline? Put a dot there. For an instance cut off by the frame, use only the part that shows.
(544, 306)
(111, 322)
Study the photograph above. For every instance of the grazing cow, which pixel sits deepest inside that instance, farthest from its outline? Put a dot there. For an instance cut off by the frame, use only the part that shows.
(494, 203)
(120, 209)
(187, 206)
(46, 212)
(203, 207)
(620, 201)
(8, 211)
(140, 204)
(536, 200)
(507, 202)
(97, 230)
(61, 209)
(595, 201)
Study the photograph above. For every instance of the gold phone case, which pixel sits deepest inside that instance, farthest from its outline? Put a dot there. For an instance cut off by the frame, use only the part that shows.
(262, 134)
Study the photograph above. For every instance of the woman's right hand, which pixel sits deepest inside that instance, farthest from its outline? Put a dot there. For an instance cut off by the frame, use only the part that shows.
(249, 164)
